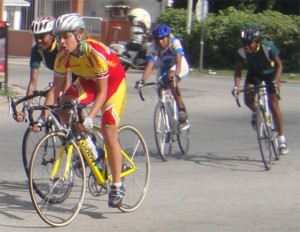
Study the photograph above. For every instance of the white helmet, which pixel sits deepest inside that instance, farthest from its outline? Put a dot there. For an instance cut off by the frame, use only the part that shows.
(139, 15)
(42, 24)
(69, 22)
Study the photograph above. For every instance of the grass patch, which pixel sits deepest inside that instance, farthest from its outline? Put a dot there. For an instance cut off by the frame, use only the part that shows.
(7, 91)
(229, 73)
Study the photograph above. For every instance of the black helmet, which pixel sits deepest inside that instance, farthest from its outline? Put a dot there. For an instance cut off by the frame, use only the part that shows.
(249, 34)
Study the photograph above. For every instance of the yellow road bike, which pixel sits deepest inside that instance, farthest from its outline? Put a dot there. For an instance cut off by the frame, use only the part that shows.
(57, 170)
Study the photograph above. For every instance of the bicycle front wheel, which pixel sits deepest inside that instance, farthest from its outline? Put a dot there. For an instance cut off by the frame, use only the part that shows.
(134, 150)
(264, 140)
(163, 136)
(56, 191)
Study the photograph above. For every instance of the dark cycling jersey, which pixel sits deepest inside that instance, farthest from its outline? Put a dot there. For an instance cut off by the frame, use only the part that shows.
(39, 56)
(261, 62)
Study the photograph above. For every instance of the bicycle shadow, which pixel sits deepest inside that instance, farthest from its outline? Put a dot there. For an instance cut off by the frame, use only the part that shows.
(234, 162)
(16, 208)
(13, 202)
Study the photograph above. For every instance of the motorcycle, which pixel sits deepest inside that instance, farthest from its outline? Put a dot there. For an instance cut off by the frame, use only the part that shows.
(132, 55)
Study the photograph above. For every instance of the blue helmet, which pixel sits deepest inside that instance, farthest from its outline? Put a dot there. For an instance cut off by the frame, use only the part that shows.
(161, 30)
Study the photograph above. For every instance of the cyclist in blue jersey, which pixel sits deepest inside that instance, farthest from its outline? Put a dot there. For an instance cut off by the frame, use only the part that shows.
(263, 63)
(166, 53)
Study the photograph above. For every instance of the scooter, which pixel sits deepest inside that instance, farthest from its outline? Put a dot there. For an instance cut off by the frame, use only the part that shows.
(132, 55)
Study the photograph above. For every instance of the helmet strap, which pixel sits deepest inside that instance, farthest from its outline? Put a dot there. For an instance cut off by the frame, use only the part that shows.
(77, 51)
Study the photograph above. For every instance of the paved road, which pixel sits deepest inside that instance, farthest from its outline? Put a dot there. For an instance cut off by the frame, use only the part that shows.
(220, 185)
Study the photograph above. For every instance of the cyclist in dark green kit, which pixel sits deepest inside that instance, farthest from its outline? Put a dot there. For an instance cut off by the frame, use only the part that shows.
(43, 52)
(263, 63)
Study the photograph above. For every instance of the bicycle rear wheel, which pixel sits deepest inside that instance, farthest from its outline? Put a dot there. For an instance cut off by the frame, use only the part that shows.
(58, 198)
(183, 137)
(163, 136)
(264, 140)
(30, 140)
(136, 183)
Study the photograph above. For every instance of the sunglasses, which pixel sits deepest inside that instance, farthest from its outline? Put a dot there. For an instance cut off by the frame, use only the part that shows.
(40, 36)
(247, 42)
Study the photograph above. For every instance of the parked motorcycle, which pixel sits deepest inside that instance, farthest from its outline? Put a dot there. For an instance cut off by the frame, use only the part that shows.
(131, 54)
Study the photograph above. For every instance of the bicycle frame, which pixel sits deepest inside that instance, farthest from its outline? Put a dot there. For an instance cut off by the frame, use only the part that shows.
(171, 111)
(99, 175)
(266, 136)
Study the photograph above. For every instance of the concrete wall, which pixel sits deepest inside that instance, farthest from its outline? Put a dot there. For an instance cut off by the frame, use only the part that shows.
(20, 42)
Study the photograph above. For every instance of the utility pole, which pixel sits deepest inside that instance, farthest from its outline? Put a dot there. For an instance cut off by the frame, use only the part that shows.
(189, 16)
(1, 9)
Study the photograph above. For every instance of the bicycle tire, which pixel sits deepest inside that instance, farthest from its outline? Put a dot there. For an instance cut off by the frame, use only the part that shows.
(62, 196)
(275, 143)
(136, 183)
(163, 137)
(264, 141)
(30, 140)
(183, 137)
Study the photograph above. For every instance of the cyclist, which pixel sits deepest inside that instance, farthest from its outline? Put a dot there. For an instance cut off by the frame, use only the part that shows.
(101, 80)
(44, 51)
(263, 63)
(167, 54)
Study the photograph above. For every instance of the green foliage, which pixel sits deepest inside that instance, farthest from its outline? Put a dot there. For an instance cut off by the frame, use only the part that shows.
(221, 35)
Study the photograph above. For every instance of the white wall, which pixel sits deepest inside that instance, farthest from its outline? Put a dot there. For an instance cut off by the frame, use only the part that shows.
(97, 8)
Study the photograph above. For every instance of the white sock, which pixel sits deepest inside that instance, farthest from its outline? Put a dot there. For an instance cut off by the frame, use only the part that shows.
(281, 138)
(117, 184)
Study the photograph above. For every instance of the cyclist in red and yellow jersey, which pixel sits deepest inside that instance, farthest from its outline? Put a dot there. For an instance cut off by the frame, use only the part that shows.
(101, 81)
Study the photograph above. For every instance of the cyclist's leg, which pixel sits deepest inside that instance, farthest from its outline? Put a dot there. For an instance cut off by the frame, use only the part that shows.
(184, 70)
(277, 116)
(112, 112)
(249, 96)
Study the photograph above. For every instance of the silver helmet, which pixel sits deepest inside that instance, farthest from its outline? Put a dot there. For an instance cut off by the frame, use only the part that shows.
(42, 24)
(69, 22)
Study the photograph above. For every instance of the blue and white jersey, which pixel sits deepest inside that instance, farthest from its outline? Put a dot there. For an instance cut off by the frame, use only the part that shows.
(165, 59)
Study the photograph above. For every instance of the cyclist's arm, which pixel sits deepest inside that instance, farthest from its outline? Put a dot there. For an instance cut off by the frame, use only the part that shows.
(278, 70)
(148, 70)
(178, 63)
(238, 74)
(32, 85)
(54, 92)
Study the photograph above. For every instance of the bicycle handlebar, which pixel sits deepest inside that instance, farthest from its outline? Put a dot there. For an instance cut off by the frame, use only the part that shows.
(146, 84)
(159, 83)
(67, 105)
(255, 88)
(13, 104)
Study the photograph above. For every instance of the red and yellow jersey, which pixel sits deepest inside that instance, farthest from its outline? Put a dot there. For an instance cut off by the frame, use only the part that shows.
(96, 61)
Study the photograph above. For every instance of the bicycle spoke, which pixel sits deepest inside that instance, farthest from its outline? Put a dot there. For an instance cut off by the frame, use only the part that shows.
(264, 140)
(134, 150)
(56, 191)
(184, 137)
(162, 135)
